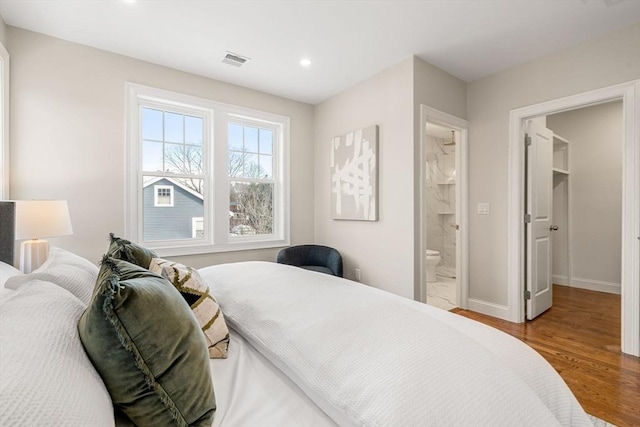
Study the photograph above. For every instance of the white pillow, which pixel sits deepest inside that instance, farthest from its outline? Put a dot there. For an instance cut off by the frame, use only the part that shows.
(65, 269)
(47, 377)
(7, 271)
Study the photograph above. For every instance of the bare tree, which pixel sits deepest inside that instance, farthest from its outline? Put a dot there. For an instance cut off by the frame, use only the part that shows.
(253, 201)
(186, 159)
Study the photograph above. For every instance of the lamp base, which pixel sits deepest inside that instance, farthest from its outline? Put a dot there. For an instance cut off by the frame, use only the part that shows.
(33, 253)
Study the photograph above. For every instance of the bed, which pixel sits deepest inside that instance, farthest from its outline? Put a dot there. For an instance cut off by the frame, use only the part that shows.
(305, 349)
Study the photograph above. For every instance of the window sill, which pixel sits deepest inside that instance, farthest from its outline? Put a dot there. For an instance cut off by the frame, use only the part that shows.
(167, 251)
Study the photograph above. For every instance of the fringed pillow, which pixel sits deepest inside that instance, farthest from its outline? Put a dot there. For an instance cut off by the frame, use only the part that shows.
(206, 309)
(126, 250)
(147, 346)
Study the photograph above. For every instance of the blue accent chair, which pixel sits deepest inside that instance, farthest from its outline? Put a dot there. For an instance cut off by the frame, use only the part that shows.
(312, 257)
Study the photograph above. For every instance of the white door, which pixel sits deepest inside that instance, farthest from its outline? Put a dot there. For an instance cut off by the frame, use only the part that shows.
(539, 205)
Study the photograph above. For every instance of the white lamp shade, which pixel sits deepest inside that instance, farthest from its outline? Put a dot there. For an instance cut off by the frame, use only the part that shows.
(36, 219)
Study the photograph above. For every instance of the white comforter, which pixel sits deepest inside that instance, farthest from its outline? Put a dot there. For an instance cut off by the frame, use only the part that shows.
(369, 358)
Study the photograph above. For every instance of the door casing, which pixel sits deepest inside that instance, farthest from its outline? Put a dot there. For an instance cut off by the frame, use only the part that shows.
(629, 93)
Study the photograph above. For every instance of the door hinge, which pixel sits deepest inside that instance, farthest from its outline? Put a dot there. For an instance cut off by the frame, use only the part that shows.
(527, 295)
(527, 140)
(527, 218)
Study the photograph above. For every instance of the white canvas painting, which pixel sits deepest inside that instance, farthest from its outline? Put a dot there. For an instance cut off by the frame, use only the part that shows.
(354, 175)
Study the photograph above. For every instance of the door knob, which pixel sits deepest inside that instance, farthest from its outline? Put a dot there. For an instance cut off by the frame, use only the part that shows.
(553, 228)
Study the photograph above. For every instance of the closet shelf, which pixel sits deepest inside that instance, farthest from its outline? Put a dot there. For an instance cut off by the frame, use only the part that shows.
(559, 139)
(561, 171)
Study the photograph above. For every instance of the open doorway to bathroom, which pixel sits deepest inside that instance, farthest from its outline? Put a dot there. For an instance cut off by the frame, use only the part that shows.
(442, 225)
(443, 248)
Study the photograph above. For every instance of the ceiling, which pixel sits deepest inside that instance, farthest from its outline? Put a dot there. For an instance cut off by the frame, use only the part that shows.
(347, 41)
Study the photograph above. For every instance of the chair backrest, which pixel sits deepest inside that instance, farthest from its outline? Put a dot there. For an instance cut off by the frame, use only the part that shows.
(7, 231)
(312, 255)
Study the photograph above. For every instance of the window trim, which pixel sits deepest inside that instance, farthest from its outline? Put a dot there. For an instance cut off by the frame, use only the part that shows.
(216, 197)
(157, 187)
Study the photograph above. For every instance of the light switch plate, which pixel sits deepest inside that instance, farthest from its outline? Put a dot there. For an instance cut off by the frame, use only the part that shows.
(483, 208)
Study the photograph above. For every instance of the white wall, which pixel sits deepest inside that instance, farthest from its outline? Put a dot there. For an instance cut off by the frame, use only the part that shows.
(605, 61)
(437, 89)
(68, 131)
(383, 250)
(595, 136)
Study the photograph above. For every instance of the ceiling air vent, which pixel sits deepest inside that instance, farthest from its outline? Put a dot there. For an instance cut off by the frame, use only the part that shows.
(235, 59)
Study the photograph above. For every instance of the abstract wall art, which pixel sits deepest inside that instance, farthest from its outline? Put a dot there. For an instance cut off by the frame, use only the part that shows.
(354, 175)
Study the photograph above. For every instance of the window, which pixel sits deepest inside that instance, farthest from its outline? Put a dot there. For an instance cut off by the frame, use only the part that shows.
(251, 179)
(163, 195)
(197, 228)
(222, 169)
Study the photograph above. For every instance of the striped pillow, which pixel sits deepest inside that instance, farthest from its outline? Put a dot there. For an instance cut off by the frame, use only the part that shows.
(204, 306)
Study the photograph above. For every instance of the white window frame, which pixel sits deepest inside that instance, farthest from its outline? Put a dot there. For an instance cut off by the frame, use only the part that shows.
(216, 185)
(261, 124)
(156, 203)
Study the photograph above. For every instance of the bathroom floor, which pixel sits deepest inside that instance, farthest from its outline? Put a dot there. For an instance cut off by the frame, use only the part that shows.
(442, 293)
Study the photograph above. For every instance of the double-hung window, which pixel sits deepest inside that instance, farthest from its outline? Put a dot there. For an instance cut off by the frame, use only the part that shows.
(204, 176)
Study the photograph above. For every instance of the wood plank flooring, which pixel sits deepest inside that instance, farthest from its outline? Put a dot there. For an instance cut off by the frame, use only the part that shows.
(580, 337)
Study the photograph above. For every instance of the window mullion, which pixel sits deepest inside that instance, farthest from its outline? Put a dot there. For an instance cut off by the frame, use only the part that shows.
(221, 179)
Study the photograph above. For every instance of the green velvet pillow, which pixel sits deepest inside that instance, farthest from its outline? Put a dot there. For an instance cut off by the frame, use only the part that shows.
(147, 346)
(125, 250)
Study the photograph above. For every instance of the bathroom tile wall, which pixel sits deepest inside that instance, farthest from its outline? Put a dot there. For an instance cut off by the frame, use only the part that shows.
(441, 196)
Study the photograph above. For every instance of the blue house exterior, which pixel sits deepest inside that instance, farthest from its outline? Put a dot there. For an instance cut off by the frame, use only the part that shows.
(171, 211)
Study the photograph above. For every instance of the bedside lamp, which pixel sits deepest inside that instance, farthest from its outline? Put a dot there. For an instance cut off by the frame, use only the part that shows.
(36, 219)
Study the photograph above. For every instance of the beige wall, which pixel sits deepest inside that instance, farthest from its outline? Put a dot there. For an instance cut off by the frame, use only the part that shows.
(383, 250)
(595, 136)
(3, 31)
(68, 128)
(605, 61)
(437, 89)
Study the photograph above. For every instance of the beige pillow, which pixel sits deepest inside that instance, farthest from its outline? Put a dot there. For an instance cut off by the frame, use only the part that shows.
(204, 306)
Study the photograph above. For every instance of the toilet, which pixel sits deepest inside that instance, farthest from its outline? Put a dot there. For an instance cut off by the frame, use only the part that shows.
(433, 259)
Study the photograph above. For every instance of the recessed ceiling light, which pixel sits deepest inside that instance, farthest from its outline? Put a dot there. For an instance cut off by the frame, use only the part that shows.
(305, 62)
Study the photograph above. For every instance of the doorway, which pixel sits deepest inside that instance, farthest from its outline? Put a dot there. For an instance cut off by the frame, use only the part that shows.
(630, 229)
(574, 199)
(442, 245)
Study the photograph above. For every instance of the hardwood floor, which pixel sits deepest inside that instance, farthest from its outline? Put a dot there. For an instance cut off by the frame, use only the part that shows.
(580, 337)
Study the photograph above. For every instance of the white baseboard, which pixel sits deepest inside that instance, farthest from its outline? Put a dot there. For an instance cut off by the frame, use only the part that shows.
(561, 280)
(490, 309)
(592, 285)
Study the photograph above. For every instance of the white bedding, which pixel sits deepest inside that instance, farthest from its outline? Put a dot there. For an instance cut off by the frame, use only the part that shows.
(368, 358)
(250, 391)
